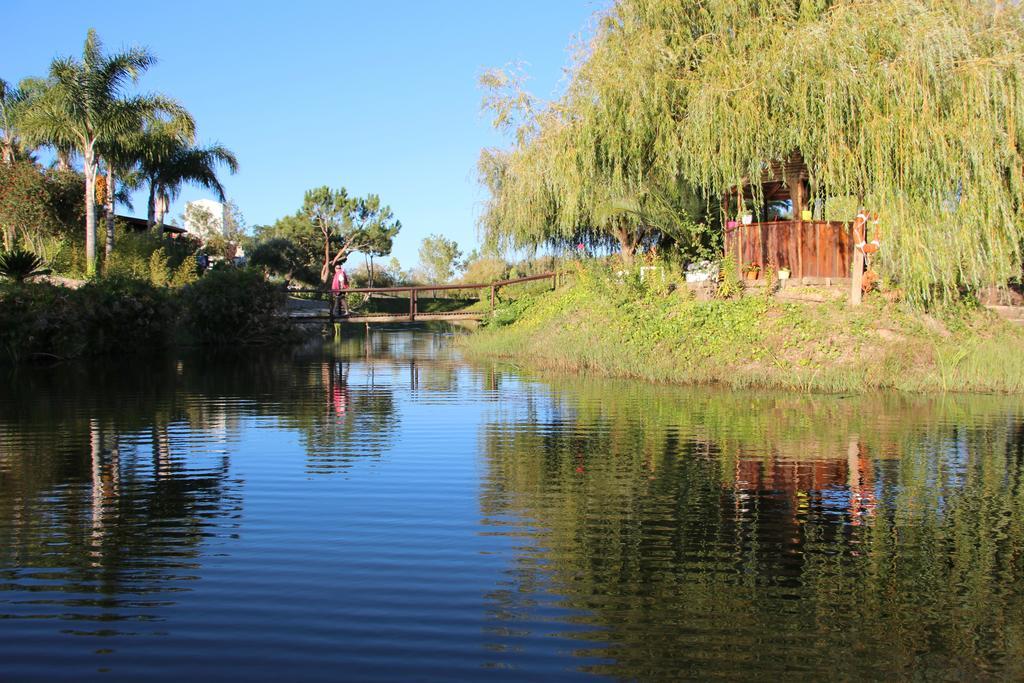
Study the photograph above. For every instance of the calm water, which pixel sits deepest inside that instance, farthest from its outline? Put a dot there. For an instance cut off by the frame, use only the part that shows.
(384, 510)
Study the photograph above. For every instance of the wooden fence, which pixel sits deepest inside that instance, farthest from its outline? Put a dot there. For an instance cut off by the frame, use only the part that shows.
(809, 248)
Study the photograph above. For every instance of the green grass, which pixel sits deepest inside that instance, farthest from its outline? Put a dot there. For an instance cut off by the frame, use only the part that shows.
(625, 330)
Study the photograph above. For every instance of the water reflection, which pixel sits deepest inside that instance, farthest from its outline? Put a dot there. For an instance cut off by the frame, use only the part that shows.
(376, 508)
(705, 533)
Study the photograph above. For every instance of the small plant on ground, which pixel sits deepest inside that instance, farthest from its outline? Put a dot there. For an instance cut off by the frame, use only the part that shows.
(729, 284)
(20, 265)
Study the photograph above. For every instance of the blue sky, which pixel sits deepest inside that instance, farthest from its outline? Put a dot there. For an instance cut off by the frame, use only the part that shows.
(376, 96)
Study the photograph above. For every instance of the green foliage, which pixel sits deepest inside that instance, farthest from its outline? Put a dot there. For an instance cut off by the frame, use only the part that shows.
(233, 307)
(914, 106)
(84, 107)
(616, 325)
(159, 270)
(299, 252)
(147, 256)
(168, 160)
(439, 257)
(484, 269)
(36, 204)
(111, 315)
(19, 265)
(730, 284)
(329, 227)
(185, 274)
(284, 257)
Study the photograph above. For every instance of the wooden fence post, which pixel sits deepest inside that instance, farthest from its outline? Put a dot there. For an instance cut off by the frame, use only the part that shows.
(492, 298)
(412, 304)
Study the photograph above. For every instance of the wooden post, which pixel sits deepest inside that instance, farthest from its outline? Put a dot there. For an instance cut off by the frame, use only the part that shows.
(412, 304)
(493, 289)
(800, 249)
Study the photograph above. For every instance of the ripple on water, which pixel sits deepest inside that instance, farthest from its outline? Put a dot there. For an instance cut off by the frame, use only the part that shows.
(393, 513)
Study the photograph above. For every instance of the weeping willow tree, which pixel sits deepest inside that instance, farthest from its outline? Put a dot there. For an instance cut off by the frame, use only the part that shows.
(913, 107)
(583, 168)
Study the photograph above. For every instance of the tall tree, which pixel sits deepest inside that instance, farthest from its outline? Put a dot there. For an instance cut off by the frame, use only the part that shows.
(168, 158)
(913, 107)
(379, 226)
(439, 257)
(345, 223)
(12, 104)
(87, 104)
(186, 164)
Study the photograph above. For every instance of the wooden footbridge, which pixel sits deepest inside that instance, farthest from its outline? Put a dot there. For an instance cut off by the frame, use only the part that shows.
(404, 304)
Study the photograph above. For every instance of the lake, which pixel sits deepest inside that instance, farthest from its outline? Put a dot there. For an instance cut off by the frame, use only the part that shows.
(380, 509)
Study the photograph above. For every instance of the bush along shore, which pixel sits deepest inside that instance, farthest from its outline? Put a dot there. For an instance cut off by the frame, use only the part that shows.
(230, 307)
(619, 326)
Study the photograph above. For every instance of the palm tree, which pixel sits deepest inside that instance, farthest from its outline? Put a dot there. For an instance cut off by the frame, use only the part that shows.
(14, 101)
(11, 99)
(124, 156)
(183, 163)
(85, 105)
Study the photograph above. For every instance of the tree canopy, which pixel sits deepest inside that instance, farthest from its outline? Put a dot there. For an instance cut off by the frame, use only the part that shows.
(440, 258)
(914, 108)
(330, 226)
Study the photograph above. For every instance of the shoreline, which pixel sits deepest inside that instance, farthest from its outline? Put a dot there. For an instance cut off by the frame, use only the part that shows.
(757, 341)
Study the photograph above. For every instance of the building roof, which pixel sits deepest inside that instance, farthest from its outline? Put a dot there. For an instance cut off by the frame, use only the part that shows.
(140, 224)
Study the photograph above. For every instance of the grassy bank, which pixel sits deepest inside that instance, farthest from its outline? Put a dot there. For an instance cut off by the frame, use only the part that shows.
(605, 326)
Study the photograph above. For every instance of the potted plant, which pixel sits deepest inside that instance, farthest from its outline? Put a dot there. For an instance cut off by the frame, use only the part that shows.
(783, 272)
(748, 217)
(806, 215)
(751, 271)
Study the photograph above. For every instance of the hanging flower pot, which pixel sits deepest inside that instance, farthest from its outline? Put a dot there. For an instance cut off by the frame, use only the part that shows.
(731, 225)
(748, 218)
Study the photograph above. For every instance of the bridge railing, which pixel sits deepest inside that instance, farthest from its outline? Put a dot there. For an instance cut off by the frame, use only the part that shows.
(416, 292)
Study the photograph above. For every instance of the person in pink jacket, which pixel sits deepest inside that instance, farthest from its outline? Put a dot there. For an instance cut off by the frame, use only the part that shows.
(338, 286)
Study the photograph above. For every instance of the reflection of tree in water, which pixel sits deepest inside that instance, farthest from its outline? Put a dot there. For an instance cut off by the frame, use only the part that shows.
(726, 534)
(345, 420)
(107, 500)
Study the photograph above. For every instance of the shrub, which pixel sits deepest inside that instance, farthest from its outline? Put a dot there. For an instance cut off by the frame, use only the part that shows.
(159, 270)
(121, 314)
(146, 256)
(19, 265)
(105, 316)
(185, 274)
(234, 307)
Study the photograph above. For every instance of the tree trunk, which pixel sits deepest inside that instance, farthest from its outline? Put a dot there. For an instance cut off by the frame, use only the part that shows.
(326, 269)
(90, 211)
(108, 247)
(627, 245)
(151, 207)
(371, 270)
(161, 210)
(63, 160)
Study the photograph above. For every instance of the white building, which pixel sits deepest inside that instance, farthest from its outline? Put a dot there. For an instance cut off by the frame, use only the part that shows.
(204, 217)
